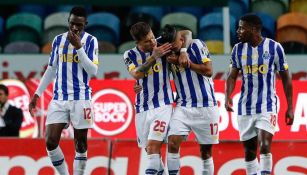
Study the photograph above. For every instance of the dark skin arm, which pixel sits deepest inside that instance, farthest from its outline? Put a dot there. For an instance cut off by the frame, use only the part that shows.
(230, 86)
(287, 85)
(32, 104)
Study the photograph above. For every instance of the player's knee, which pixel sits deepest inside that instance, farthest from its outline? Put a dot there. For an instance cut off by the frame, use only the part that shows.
(51, 143)
(153, 149)
(265, 147)
(173, 146)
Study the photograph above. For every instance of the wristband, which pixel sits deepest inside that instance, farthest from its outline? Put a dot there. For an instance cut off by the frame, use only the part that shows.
(183, 50)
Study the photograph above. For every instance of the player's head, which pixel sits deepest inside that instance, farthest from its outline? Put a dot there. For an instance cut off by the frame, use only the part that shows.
(171, 35)
(249, 26)
(4, 93)
(143, 36)
(77, 20)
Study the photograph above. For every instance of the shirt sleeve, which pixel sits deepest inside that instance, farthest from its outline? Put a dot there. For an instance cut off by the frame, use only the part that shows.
(234, 62)
(93, 51)
(280, 59)
(130, 60)
(201, 51)
(54, 53)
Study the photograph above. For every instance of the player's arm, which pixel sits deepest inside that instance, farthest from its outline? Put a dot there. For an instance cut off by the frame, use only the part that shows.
(48, 76)
(140, 71)
(282, 67)
(88, 61)
(230, 86)
(203, 65)
(204, 69)
(183, 59)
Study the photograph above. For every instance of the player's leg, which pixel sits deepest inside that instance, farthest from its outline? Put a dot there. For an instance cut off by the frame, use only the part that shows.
(80, 140)
(266, 124)
(157, 122)
(57, 119)
(248, 136)
(173, 157)
(178, 130)
(81, 115)
(250, 152)
(205, 127)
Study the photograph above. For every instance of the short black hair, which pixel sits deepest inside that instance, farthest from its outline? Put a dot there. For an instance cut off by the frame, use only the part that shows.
(168, 34)
(78, 11)
(139, 30)
(252, 20)
(5, 89)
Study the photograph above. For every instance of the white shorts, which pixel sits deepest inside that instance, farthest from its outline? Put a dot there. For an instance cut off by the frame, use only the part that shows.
(203, 121)
(249, 124)
(152, 124)
(78, 112)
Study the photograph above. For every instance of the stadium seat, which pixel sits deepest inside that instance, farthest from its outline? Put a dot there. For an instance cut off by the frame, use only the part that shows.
(181, 20)
(293, 47)
(1, 26)
(275, 8)
(126, 46)
(59, 19)
(238, 7)
(155, 11)
(49, 34)
(268, 29)
(21, 47)
(39, 10)
(299, 6)
(211, 27)
(215, 47)
(106, 47)
(24, 27)
(292, 27)
(47, 48)
(104, 26)
(196, 11)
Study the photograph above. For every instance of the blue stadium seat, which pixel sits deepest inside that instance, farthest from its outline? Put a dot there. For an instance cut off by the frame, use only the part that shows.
(21, 47)
(1, 26)
(268, 23)
(39, 10)
(238, 7)
(104, 26)
(154, 11)
(211, 27)
(198, 12)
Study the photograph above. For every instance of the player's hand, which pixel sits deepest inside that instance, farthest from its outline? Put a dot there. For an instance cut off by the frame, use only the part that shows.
(160, 51)
(74, 39)
(137, 88)
(32, 104)
(184, 60)
(289, 117)
(228, 104)
(172, 58)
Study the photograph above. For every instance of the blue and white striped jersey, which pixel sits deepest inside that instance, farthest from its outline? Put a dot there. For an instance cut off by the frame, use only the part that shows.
(72, 81)
(258, 66)
(156, 86)
(193, 89)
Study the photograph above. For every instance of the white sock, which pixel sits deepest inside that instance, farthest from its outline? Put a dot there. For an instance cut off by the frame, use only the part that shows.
(266, 163)
(153, 164)
(173, 163)
(57, 158)
(208, 167)
(161, 169)
(252, 167)
(80, 163)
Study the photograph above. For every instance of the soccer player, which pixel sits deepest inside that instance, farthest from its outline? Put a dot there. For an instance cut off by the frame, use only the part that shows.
(196, 108)
(74, 58)
(257, 58)
(154, 101)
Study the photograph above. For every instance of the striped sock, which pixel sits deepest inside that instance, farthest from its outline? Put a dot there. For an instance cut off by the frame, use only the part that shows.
(80, 163)
(57, 158)
(173, 163)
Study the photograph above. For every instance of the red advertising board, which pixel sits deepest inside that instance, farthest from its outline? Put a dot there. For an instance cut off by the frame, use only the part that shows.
(114, 112)
(29, 157)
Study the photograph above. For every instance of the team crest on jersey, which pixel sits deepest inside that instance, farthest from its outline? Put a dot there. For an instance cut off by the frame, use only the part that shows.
(205, 51)
(266, 55)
